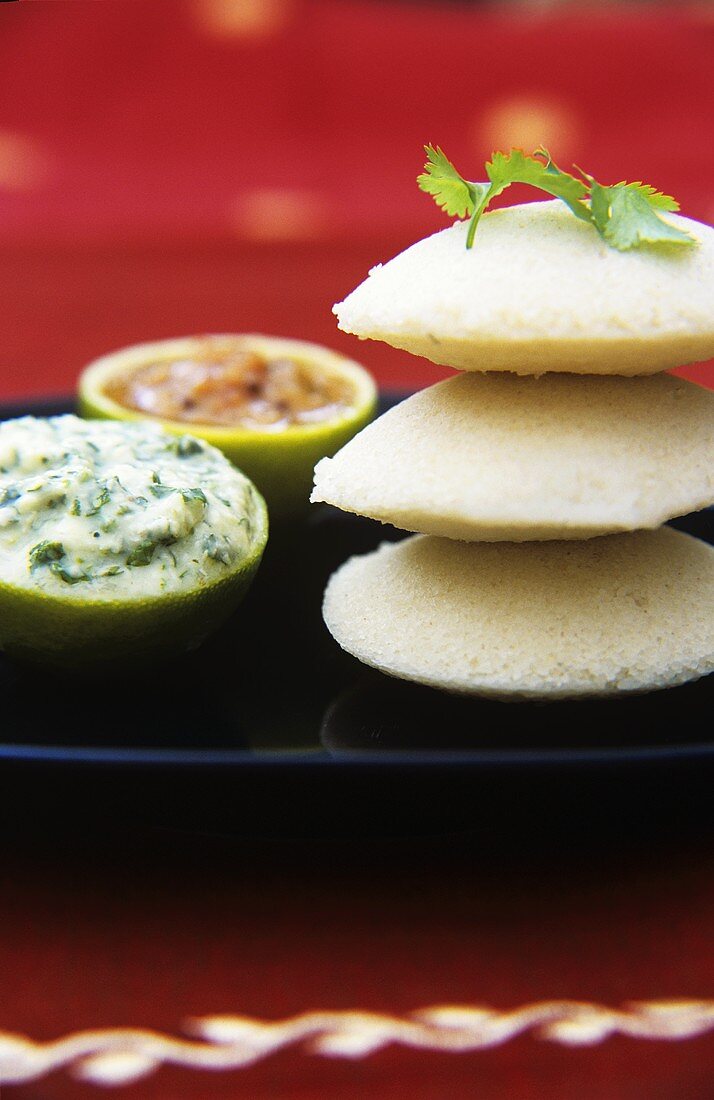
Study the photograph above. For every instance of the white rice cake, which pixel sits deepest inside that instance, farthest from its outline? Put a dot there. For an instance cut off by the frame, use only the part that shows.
(541, 291)
(625, 613)
(493, 456)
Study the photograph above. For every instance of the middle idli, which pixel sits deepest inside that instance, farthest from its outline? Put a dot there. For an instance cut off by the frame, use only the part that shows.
(489, 457)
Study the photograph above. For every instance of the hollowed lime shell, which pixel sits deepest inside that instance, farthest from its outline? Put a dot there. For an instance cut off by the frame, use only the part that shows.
(279, 462)
(70, 632)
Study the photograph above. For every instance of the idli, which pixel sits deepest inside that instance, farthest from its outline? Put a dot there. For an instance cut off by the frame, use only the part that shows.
(541, 291)
(494, 456)
(623, 613)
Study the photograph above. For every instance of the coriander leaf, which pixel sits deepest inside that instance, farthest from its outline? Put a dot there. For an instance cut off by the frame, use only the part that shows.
(103, 497)
(212, 548)
(455, 195)
(42, 553)
(515, 167)
(159, 490)
(193, 494)
(186, 446)
(624, 216)
(143, 553)
(67, 575)
(599, 205)
(7, 496)
(654, 197)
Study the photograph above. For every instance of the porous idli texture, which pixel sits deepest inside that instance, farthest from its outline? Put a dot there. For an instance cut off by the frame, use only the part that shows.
(541, 291)
(496, 456)
(623, 613)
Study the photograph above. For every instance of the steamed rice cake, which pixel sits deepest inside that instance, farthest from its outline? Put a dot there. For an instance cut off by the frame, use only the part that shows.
(623, 613)
(541, 291)
(494, 456)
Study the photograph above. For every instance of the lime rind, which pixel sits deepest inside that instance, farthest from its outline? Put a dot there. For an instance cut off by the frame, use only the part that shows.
(280, 463)
(68, 632)
(119, 621)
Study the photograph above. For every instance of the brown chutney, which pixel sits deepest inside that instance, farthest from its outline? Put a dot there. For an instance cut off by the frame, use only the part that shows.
(233, 386)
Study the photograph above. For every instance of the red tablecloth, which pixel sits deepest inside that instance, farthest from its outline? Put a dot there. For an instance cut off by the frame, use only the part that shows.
(220, 165)
(152, 933)
(201, 165)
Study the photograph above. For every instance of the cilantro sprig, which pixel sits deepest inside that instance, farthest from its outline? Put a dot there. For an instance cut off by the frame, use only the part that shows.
(624, 214)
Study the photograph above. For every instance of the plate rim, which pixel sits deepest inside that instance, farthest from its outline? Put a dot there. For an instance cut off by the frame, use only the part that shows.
(322, 758)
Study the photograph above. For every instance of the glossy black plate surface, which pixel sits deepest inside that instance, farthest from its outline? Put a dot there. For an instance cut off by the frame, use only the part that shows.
(273, 690)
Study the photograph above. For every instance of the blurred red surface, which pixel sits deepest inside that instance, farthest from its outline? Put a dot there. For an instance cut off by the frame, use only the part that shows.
(208, 165)
(166, 168)
(271, 929)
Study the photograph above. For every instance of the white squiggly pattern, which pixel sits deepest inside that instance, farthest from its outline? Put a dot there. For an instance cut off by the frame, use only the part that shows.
(118, 1056)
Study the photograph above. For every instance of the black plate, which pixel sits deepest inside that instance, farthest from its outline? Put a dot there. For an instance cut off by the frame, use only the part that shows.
(272, 689)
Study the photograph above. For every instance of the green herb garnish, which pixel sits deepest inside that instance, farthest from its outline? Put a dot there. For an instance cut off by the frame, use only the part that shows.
(193, 494)
(143, 553)
(216, 550)
(112, 571)
(42, 553)
(103, 497)
(159, 490)
(624, 214)
(185, 446)
(67, 575)
(7, 496)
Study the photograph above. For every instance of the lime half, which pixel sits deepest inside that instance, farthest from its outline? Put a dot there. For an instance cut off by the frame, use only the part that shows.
(273, 406)
(118, 542)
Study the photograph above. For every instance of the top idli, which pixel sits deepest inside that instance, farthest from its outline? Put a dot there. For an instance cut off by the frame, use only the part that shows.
(541, 291)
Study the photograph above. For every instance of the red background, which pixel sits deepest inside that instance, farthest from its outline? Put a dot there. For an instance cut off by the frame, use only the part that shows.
(208, 925)
(167, 168)
(178, 167)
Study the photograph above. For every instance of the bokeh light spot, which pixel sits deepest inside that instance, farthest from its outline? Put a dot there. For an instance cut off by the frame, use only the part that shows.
(525, 122)
(23, 164)
(242, 18)
(280, 214)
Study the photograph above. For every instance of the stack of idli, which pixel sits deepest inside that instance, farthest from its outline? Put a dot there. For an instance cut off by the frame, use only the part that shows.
(538, 479)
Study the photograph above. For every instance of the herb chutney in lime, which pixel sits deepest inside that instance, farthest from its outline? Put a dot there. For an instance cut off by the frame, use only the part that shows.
(107, 510)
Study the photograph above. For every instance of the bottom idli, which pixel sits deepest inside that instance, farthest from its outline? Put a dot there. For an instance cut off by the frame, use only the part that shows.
(621, 613)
